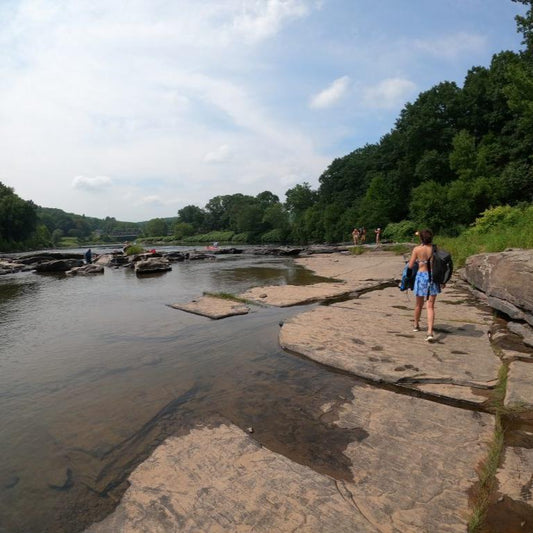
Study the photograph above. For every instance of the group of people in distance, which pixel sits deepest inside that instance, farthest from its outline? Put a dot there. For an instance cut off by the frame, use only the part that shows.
(359, 235)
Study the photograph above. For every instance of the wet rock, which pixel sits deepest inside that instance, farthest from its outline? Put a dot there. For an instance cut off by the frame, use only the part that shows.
(10, 267)
(86, 270)
(59, 265)
(200, 256)
(177, 256)
(113, 259)
(523, 330)
(228, 251)
(506, 276)
(62, 481)
(152, 265)
(11, 481)
(213, 307)
(33, 259)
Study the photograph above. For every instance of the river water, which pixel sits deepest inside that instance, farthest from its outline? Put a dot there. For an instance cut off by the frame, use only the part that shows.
(96, 371)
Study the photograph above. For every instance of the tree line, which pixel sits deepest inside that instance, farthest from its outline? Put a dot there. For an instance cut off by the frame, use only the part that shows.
(452, 153)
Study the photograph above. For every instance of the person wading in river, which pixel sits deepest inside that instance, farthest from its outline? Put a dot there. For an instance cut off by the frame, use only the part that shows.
(424, 288)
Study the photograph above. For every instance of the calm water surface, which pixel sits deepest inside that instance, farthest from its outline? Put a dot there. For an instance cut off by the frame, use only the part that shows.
(96, 371)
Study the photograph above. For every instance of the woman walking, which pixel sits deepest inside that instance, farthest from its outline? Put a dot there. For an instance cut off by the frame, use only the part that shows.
(424, 288)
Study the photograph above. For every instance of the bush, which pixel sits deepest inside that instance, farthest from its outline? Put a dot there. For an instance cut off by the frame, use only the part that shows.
(134, 249)
(212, 236)
(497, 229)
(400, 231)
(240, 238)
(272, 236)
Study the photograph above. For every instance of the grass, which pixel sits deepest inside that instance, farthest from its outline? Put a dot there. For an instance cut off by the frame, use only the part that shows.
(358, 250)
(229, 296)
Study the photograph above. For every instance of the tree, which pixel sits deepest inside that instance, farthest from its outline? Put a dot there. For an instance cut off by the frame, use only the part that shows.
(18, 218)
(193, 215)
(182, 229)
(156, 227)
(524, 25)
(300, 198)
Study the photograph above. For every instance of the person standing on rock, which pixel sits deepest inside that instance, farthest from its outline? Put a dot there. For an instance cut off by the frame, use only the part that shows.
(88, 256)
(424, 288)
(355, 236)
(377, 231)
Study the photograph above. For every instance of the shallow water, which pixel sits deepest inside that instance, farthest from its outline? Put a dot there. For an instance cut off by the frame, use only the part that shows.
(95, 371)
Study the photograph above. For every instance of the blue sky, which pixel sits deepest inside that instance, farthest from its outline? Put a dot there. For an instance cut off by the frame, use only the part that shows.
(137, 108)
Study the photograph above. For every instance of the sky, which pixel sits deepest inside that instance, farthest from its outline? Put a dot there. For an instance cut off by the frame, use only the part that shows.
(134, 109)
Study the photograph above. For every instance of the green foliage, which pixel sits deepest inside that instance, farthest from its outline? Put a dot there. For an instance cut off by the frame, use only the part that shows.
(497, 229)
(403, 231)
(358, 250)
(134, 249)
(212, 236)
(499, 218)
(274, 236)
(18, 218)
(156, 227)
(240, 238)
(182, 229)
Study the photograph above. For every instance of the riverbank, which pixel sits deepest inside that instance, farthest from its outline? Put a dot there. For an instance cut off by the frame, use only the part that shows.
(417, 431)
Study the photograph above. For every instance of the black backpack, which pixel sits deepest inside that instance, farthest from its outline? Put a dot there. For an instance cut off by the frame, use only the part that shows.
(441, 266)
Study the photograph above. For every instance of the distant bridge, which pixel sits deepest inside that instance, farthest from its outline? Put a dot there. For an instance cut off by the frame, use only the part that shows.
(123, 234)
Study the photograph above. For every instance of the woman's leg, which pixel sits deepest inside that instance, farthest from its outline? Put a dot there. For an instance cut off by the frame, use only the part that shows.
(431, 313)
(418, 309)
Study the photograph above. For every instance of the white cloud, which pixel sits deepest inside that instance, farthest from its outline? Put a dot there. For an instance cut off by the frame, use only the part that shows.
(389, 93)
(221, 154)
(332, 94)
(95, 184)
(152, 200)
(260, 19)
(452, 46)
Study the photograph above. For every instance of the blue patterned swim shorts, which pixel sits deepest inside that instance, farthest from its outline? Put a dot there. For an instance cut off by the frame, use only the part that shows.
(421, 285)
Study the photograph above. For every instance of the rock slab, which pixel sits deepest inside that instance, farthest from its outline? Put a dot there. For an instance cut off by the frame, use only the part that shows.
(213, 307)
(372, 338)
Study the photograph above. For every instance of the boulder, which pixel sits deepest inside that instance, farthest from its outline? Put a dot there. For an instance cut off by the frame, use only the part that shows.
(47, 256)
(506, 278)
(10, 267)
(152, 265)
(523, 330)
(177, 256)
(59, 265)
(112, 259)
(86, 270)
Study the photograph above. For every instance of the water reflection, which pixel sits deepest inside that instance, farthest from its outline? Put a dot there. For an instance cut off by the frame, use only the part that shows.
(94, 371)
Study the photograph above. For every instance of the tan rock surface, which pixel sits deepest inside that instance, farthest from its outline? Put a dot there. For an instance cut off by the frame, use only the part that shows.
(372, 337)
(355, 272)
(412, 467)
(213, 307)
(520, 385)
(515, 476)
(222, 480)
(413, 470)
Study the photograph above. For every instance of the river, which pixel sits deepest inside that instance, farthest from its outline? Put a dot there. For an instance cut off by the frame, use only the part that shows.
(96, 371)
